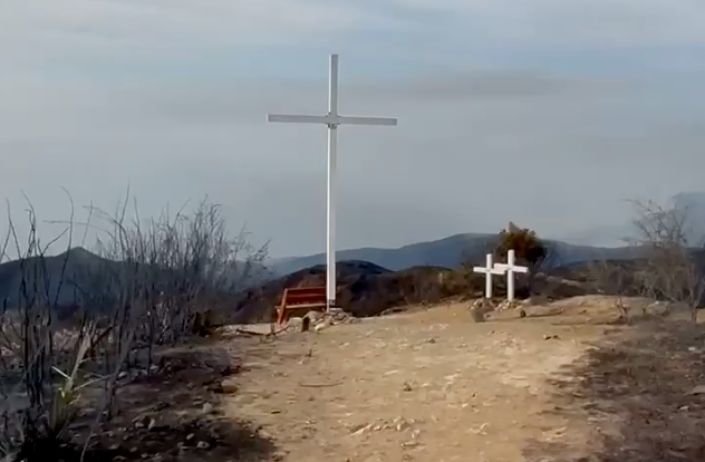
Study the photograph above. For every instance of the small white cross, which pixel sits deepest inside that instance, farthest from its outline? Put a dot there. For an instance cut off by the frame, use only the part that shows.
(488, 270)
(511, 268)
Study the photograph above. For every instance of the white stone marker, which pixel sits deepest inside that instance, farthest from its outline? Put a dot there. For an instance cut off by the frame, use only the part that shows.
(489, 270)
(511, 268)
(332, 120)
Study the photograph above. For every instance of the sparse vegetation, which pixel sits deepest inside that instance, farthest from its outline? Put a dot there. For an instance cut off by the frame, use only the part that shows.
(527, 246)
(608, 278)
(157, 283)
(669, 271)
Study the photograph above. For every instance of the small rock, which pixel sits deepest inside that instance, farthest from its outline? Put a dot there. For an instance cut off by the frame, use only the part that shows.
(114, 447)
(698, 390)
(202, 445)
(122, 375)
(278, 456)
(480, 430)
(190, 436)
(228, 386)
(431, 340)
(409, 444)
(161, 406)
(550, 337)
(407, 387)
(207, 408)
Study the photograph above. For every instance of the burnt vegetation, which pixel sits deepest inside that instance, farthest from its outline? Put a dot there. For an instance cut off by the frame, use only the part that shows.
(69, 332)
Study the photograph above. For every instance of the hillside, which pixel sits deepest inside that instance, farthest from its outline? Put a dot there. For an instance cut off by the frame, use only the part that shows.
(451, 252)
(364, 289)
(81, 266)
(86, 276)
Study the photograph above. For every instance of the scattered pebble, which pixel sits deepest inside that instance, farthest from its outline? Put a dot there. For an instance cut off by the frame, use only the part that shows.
(228, 386)
(202, 445)
(207, 408)
(699, 390)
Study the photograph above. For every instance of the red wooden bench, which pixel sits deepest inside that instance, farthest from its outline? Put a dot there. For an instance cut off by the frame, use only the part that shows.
(299, 301)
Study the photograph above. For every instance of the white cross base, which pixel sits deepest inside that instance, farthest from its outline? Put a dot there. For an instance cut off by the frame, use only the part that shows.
(488, 270)
(510, 267)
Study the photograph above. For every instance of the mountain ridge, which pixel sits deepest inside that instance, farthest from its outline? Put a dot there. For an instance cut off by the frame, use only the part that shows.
(449, 252)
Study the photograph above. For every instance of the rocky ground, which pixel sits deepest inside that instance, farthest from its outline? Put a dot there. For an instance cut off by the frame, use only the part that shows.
(564, 383)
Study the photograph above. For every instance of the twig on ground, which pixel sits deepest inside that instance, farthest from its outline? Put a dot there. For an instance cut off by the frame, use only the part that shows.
(320, 385)
(262, 334)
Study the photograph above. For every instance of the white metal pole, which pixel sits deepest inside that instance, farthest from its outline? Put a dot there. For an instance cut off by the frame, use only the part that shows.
(332, 147)
(330, 251)
(488, 277)
(510, 276)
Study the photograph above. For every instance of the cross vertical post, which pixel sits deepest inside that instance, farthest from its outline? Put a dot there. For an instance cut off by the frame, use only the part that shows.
(332, 120)
(511, 268)
(488, 270)
(330, 203)
(510, 276)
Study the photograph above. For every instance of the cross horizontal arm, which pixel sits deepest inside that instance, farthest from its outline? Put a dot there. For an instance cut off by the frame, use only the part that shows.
(516, 269)
(482, 269)
(346, 120)
(301, 119)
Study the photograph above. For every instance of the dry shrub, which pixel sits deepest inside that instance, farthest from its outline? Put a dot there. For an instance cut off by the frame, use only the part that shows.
(157, 282)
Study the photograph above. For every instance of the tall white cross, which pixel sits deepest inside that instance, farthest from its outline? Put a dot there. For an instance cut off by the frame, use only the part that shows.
(511, 268)
(488, 270)
(332, 120)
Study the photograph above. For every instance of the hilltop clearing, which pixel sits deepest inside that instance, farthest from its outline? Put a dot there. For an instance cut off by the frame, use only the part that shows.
(563, 384)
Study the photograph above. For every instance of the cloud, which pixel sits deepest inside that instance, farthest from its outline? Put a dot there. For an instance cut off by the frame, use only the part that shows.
(539, 111)
(170, 26)
(603, 23)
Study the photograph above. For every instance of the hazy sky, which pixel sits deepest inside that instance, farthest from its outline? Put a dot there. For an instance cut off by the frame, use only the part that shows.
(546, 112)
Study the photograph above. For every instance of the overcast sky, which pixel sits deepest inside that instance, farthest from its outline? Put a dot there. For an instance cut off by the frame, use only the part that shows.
(546, 112)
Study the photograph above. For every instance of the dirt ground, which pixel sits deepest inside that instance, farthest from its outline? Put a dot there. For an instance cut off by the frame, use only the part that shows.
(434, 385)
(563, 384)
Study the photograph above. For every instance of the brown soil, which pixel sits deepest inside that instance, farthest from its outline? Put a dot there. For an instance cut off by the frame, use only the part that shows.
(562, 384)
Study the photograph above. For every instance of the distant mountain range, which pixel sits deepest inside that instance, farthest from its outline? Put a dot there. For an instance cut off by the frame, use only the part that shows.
(83, 267)
(451, 252)
(79, 274)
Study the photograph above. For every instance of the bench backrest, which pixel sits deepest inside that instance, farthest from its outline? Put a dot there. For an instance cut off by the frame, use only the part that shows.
(301, 300)
(303, 295)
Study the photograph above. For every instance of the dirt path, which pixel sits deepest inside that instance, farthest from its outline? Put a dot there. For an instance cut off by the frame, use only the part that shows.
(426, 386)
